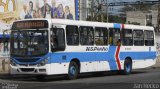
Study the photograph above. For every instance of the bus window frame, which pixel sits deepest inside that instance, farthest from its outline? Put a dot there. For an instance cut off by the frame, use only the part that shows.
(124, 37)
(118, 41)
(58, 48)
(134, 37)
(101, 28)
(153, 38)
(78, 36)
(80, 28)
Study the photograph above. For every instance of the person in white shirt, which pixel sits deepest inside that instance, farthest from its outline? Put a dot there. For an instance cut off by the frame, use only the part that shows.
(48, 12)
(23, 12)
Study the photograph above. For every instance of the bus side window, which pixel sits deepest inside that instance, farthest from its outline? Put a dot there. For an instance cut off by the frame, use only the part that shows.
(114, 37)
(127, 37)
(86, 35)
(101, 36)
(72, 35)
(149, 38)
(57, 39)
(138, 38)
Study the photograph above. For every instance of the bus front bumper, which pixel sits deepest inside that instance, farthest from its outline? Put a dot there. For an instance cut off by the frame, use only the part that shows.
(43, 70)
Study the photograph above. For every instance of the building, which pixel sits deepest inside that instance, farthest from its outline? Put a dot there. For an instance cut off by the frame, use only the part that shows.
(92, 9)
(84, 9)
(142, 18)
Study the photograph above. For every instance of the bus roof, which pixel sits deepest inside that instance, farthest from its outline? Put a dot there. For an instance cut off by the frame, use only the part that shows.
(95, 24)
(99, 24)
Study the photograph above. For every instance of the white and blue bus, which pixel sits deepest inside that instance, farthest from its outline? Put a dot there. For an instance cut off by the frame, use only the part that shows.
(55, 46)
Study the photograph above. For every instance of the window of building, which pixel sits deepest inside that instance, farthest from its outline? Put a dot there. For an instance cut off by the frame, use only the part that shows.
(101, 36)
(72, 35)
(86, 35)
(149, 38)
(114, 37)
(127, 37)
(138, 38)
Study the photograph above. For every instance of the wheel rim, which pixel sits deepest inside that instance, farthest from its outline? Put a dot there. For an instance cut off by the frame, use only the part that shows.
(128, 67)
(72, 71)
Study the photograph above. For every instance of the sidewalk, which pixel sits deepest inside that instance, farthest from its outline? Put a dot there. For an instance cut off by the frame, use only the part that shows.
(4, 65)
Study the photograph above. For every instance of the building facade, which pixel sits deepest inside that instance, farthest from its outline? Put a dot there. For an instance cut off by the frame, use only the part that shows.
(142, 18)
(84, 9)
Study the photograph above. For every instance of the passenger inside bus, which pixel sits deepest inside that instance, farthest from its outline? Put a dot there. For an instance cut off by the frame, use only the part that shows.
(54, 42)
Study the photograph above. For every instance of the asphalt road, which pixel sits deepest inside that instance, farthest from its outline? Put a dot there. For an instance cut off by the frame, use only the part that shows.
(139, 79)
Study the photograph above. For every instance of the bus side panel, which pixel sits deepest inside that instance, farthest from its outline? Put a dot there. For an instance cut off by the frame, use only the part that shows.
(58, 65)
(90, 61)
(141, 56)
(103, 61)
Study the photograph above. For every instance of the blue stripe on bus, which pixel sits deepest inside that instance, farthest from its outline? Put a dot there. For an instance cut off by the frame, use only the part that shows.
(116, 25)
(112, 52)
(40, 59)
(138, 55)
(97, 56)
(104, 56)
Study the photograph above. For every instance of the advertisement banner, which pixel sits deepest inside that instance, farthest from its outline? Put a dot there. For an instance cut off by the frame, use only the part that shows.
(11, 10)
(63, 9)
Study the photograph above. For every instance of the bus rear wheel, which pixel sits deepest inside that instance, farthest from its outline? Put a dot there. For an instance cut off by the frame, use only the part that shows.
(73, 70)
(127, 67)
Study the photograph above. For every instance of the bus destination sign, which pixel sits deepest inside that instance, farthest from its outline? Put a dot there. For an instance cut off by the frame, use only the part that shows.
(31, 24)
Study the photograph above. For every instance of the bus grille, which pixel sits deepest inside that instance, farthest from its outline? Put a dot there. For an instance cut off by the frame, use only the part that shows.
(27, 69)
(27, 59)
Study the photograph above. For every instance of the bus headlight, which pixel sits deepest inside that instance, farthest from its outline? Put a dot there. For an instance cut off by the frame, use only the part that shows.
(12, 63)
(43, 63)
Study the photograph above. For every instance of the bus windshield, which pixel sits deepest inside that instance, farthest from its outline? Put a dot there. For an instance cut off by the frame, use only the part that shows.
(29, 43)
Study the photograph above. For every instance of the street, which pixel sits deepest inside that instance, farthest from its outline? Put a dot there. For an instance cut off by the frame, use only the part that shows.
(143, 78)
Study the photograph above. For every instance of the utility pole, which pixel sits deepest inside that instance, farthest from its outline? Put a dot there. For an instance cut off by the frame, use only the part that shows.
(107, 9)
(104, 10)
(102, 16)
(92, 10)
(158, 19)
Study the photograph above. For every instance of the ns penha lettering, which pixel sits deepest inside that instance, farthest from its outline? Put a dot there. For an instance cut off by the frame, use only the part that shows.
(96, 49)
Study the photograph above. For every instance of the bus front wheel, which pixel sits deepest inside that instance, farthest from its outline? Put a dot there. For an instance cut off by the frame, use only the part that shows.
(73, 70)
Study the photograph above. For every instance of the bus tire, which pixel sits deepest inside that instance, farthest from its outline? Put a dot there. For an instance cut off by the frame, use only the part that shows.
(73, 70)
(127, 67)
